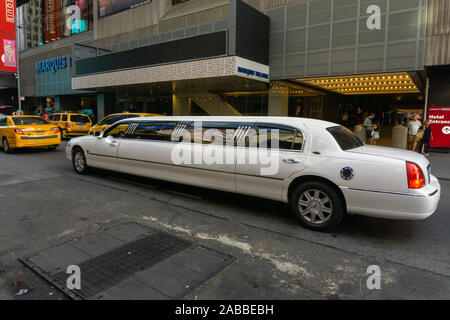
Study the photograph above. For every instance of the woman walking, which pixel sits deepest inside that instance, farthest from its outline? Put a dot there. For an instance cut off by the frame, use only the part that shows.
(426, 139)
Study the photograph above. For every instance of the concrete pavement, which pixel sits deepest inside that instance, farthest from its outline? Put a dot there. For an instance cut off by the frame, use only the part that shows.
(44, 203)
(440, 165)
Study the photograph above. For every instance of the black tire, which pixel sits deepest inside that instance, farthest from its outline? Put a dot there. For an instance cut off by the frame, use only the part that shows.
(79, 162)
(321, 213)
(6, 147)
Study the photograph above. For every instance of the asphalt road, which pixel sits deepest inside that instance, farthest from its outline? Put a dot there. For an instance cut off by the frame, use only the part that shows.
(44, 203)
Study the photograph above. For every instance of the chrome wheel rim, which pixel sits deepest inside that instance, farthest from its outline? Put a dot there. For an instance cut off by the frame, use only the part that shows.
(315, 206)
(79, 161)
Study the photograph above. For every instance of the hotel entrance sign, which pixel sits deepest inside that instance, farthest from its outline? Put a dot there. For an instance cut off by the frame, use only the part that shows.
(439, 118)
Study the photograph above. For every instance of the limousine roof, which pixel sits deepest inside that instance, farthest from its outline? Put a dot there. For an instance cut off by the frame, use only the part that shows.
(277, 120)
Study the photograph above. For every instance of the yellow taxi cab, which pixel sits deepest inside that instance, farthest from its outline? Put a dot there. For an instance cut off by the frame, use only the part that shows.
(71, 124)
(19, 131)
(112, 118)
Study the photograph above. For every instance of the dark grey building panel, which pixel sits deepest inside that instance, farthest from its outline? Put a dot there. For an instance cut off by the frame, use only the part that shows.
(335, 38)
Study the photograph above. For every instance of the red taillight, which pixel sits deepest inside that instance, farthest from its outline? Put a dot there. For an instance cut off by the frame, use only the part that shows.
(415, 176)
(67, 124)
(56, 130)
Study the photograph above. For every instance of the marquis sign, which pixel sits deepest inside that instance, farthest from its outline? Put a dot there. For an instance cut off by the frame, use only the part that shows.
(54, 64)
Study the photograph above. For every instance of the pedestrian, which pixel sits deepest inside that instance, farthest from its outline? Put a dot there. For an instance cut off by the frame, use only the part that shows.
(413, 127)
(424, 145)
(358, 117)
(368, 124)
(45, 116)
(345, 120)
(374, 135)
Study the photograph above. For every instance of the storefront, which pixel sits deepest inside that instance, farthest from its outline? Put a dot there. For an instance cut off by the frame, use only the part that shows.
(54, 91)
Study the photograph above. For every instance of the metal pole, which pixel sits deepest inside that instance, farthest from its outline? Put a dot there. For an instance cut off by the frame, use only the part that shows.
(427, 87)
(18, 63)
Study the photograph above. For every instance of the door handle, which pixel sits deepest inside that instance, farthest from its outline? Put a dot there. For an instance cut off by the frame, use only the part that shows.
(113, 144)
(288, 160)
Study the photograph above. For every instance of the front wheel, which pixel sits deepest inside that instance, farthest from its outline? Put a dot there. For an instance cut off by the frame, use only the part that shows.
(6, 147)
(79, 162)
(317, 206)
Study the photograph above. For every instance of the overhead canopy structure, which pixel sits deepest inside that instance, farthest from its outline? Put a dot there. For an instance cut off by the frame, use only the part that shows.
(379, 83)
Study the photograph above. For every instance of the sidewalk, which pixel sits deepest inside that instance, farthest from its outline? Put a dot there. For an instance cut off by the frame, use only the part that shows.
(440, 165)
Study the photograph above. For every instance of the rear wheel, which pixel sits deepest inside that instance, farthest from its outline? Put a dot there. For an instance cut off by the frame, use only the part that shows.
(317, 206)
(79, 162)
(6, 146)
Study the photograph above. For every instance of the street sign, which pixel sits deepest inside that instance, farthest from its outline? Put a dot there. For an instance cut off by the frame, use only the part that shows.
(439, 118)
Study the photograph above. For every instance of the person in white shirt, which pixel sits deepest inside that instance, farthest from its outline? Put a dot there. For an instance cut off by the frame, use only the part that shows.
(413, 127)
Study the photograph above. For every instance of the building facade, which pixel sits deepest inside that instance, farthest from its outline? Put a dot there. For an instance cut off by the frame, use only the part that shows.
(312, 58)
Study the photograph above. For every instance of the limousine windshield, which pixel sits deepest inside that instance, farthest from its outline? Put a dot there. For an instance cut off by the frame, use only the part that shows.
(345, 138)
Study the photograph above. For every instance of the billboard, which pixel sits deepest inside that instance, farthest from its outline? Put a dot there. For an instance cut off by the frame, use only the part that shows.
(8, 61)
(109, 7)
(439, 118)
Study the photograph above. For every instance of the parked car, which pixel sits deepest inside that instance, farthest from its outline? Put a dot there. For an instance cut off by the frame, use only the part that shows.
(112, 118)
(322, 170)
(7, 110)
(71, 124)
(27, 132)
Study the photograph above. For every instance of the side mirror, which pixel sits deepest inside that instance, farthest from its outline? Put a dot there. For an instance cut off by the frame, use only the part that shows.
(98, 134)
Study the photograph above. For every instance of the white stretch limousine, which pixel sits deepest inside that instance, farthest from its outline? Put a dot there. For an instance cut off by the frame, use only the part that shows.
(321, 169)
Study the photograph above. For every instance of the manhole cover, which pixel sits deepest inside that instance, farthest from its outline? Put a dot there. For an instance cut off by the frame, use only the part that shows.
(129, 261)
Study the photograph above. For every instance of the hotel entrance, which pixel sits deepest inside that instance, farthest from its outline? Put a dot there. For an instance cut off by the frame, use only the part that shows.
(392, 97)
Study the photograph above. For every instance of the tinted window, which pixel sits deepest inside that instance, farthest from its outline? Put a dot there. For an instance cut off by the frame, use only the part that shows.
(269, 136)
(64, 117)
(298, 141)
(159, 131)
(118, 131)
(112, 119)
(54, 117)
(79, 118)
(222, 133)
(345, 138)
(109, 120)
(3, 122)
(29, 121)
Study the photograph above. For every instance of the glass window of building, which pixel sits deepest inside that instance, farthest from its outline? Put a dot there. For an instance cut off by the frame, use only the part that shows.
(44, 21)
(174, 2)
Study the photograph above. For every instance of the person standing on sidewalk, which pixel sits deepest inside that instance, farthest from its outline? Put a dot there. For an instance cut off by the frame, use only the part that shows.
(413, 127)
(368, 126)
(426, 139)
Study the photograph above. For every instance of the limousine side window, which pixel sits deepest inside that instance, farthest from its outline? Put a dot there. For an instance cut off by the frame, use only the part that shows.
(158, 131)
(288, 139)
(118, 131)
(222, 133)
